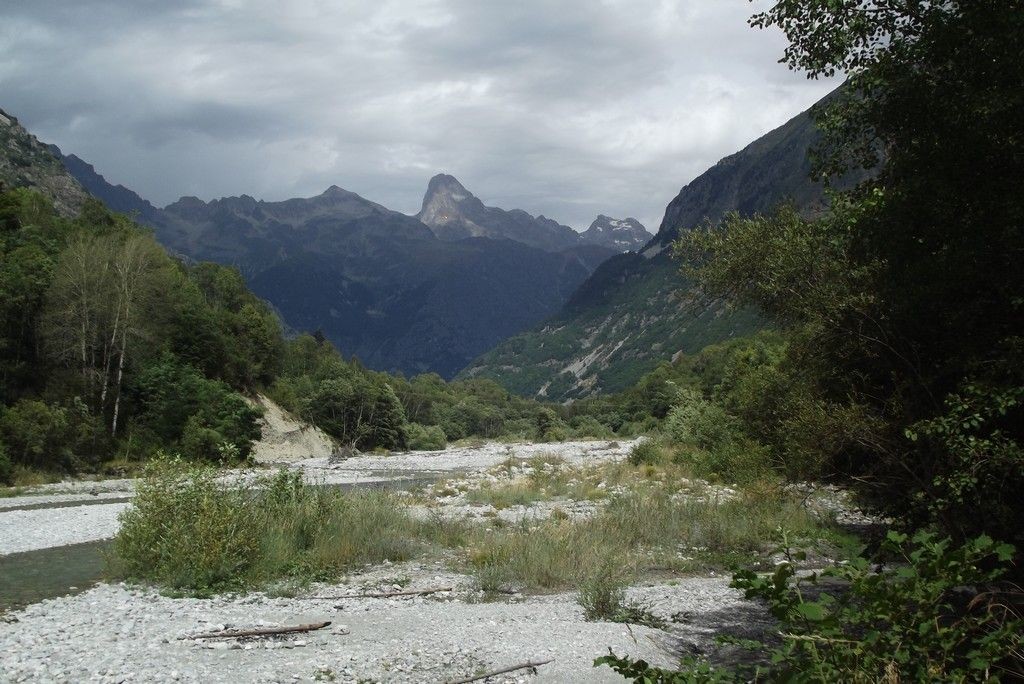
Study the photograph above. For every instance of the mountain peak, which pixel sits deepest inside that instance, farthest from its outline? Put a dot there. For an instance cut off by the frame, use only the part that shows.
(443, 205)
(622, 235)
(448, 186)
(454, 213)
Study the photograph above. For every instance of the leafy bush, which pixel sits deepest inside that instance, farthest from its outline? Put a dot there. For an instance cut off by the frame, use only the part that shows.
(979, 471)
(36, 433)
(938, 614)
(646, 452)
(424, 437)
(550, 427)
(702, 423)
(357, 409)
(184, 409)
(589, 426)
(188, 529)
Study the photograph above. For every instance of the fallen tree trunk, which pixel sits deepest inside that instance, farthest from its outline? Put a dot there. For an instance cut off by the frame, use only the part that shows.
(511, 668)
(386, 594)
(260, 631)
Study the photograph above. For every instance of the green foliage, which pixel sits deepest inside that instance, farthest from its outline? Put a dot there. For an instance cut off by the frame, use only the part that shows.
(424, 437)
(6, 467)
(936, 613)
(589, 427)
(89, 308)
(601, 595)
(633, 528)
(916, 621)
(646, 452)
(189, 530)
(549, 426)
(35, 431)
(358, 409)
(981, 465)
(699, 422)
(642, 672)
(41, 435)
(906, 292)
(192, 413)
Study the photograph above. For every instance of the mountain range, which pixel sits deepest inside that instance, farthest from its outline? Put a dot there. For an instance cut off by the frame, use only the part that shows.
(636, 311)
(402, 293)
(453, 288)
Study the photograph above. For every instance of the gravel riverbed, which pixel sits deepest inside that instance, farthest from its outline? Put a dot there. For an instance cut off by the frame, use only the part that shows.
(117, 633)
(121, 633)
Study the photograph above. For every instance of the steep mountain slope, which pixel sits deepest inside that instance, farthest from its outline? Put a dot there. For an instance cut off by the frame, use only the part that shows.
(27, 163)
(635, 311)
(622, 235)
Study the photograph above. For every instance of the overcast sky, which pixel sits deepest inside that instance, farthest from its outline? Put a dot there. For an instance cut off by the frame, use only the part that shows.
(566, 108)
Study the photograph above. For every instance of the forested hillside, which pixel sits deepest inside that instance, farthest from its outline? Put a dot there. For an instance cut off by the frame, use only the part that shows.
(113, 351)
(635, 311)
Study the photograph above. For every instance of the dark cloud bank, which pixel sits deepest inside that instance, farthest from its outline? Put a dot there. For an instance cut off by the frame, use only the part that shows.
(569, 109)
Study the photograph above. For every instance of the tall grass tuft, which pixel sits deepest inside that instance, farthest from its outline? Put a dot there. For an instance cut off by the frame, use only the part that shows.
(192, 531)
(635, 531)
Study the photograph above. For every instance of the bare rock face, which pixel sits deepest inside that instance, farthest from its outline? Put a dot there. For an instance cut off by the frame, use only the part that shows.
(27, 163)
(454, 213)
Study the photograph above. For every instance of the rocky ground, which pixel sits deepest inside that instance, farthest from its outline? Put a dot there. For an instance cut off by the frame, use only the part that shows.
(115, 633)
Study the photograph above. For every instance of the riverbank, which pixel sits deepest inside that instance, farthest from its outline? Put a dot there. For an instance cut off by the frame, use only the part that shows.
(478, 623)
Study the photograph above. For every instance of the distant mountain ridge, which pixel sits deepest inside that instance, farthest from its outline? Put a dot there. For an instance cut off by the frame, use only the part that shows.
(635, 311)
(380, 284)
(454, 213)
(116, 197)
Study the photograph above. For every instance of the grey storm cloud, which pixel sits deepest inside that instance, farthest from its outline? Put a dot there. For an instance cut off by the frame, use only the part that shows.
(568, 108)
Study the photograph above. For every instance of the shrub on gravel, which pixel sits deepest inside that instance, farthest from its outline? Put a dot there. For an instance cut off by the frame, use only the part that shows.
(191, 530)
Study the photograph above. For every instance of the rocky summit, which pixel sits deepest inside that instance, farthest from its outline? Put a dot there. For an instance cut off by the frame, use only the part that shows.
(622, 235)
(454, 213)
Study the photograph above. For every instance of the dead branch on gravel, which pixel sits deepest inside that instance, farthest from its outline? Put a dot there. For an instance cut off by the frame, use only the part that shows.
(259, 631)
(386, 594)
(511, 668)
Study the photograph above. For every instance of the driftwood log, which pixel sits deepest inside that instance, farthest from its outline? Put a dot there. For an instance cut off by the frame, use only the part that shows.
(260, 631)
(386, 594)
(510, 668)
